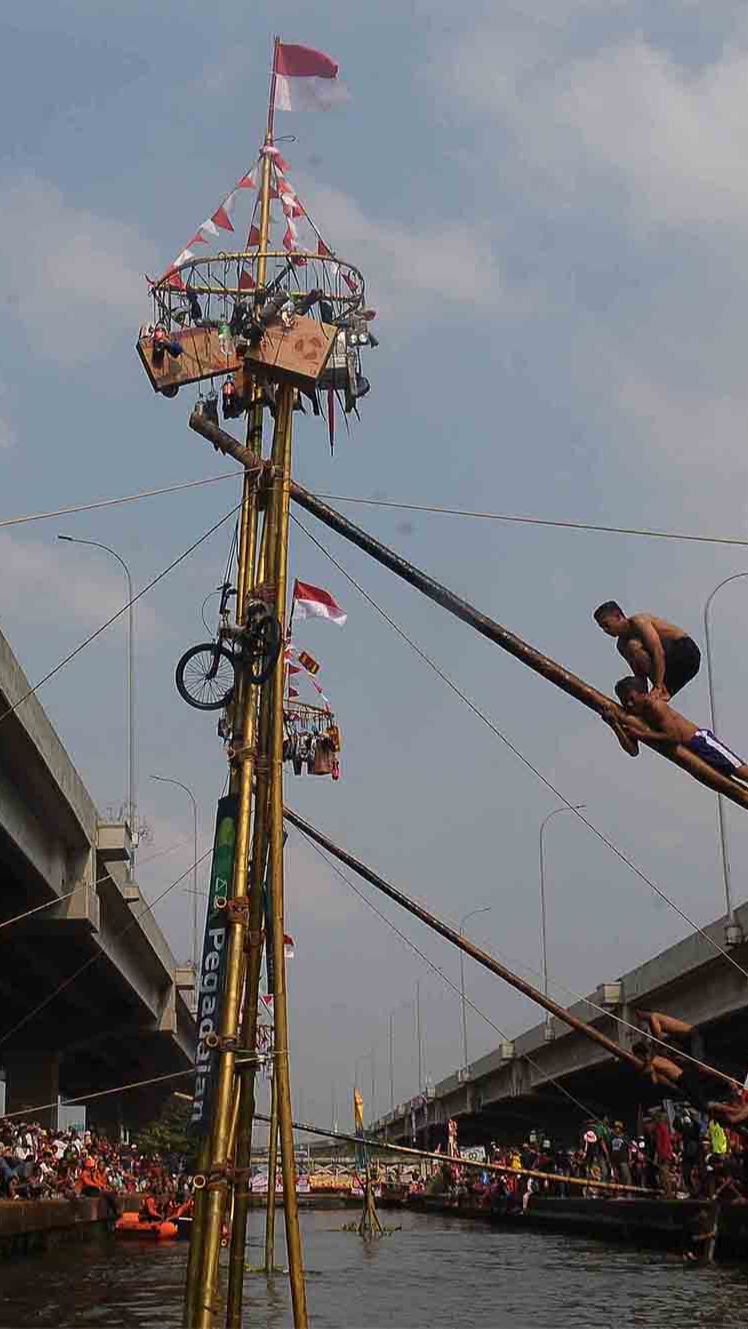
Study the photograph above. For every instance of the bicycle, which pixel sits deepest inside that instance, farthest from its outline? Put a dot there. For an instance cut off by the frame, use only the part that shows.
(206, 674)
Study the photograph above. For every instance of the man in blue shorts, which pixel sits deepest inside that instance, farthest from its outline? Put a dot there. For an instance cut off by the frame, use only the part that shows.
(647, 716)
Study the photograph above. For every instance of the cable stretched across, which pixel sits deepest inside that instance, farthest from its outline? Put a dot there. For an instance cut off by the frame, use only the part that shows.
(113, 502)
(525, 1056)
(92, 960)
(113, 619)
(538, 521)
(518, 753)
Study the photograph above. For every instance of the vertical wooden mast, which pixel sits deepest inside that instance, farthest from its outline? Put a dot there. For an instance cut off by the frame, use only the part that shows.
(230, 1134)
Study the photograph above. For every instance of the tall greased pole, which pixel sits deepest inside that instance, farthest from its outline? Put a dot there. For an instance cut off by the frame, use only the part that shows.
(206, 1257)
(245, 1088)
(280, 507)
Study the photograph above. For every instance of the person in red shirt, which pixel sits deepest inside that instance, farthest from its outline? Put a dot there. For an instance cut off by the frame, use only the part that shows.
(664, 1155)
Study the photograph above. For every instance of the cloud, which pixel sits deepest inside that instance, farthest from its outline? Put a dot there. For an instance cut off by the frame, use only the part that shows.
(433, 263)
(673, 136)
(80, 284)
(39, 584)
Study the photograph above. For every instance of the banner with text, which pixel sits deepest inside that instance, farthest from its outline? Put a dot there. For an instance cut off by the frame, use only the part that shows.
(211, 978)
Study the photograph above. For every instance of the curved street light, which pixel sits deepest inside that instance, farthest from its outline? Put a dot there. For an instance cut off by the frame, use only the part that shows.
(733, 931)
(131, 805)
(484, 909)
(576, 807)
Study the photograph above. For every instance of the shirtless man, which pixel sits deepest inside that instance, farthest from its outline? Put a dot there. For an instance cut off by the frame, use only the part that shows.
(653, 648)
(649, 717)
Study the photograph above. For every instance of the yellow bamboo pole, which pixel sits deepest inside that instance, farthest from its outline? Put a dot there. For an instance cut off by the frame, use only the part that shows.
(272, 1175)
(280, 505)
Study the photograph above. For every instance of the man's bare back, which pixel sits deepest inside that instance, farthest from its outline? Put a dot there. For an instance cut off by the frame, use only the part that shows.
(653, 648)
(649, 717)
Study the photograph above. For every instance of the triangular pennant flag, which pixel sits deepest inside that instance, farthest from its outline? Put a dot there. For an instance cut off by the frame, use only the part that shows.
(174, 280)
(247, 182)
(182, 258)
(322, 250)
(208, 228)
(350, 283)
(246, 282)
(293, 693)
(222, 215)
(253, 238)
(197, 239)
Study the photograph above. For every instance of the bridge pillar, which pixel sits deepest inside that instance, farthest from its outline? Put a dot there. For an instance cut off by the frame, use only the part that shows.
(33, 1079)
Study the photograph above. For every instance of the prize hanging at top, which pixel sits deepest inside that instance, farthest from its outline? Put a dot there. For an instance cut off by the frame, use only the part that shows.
(274, 311)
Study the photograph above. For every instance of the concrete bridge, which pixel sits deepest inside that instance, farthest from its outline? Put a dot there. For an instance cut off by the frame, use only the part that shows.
(128, 1015)
(509, 1091)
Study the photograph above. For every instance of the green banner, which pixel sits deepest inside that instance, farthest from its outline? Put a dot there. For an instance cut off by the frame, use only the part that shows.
(212, 969)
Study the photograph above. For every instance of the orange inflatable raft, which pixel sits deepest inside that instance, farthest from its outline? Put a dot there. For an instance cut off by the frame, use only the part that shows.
(130, 1225)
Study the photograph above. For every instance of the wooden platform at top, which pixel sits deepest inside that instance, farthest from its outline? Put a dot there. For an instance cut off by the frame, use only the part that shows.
(294, 355)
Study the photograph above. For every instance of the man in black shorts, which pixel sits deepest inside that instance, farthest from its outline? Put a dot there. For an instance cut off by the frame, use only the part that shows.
(653, 648)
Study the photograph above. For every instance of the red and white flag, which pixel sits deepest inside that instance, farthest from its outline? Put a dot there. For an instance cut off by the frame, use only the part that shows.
(314, 602)
(305, 79)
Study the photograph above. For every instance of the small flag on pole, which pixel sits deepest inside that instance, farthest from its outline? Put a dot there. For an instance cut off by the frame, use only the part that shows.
(289, 949)
(305, 79)
(314, 602)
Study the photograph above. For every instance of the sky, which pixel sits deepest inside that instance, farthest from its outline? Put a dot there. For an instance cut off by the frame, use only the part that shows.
(549, 202)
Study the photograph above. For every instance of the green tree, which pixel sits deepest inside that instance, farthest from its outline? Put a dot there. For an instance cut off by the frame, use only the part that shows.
(168, 1133)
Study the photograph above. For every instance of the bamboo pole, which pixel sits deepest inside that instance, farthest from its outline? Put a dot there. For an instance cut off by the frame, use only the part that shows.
(244, 1086)
(280, 500)
(488, 627)
(272, 1175)
(464, 943)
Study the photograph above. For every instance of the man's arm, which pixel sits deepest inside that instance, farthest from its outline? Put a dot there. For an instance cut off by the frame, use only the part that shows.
(652, 643)
(627, 741)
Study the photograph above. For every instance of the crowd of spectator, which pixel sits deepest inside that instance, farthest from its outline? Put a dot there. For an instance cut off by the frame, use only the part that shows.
(38, 1163)
(675, 1153)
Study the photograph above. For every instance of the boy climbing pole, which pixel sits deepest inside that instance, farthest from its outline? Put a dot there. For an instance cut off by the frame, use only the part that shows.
(653, 648)
(647, 716)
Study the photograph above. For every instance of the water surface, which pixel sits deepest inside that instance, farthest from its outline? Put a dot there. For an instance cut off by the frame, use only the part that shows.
(435, 1272)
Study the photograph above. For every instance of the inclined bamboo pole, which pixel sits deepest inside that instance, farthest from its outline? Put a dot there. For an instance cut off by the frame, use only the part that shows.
(464, 943)
(280, 501)
(541, 664)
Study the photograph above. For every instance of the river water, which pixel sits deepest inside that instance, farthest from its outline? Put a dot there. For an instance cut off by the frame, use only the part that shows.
(435, 1272)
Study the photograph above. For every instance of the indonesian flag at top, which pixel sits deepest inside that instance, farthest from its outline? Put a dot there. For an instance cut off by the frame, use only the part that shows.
(305, 79)
(314, 602)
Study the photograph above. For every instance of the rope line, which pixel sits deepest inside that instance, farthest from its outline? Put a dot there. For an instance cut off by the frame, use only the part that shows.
(102, 628)
(114, 502)
(587, 1112)
(537, 521)
(136, 918)
(525, 760)
(143, 862)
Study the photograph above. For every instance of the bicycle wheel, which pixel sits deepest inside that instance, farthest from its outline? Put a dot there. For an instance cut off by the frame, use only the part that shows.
(205, 677)
(263, 647)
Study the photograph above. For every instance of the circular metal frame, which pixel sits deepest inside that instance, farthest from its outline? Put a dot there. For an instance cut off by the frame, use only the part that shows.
(217, 281)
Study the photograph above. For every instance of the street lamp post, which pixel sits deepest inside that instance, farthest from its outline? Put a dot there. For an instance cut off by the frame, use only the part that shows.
(392, 1061)
(484, 909)
(733, 931)
(168, 779)
(548, 1028)
(131, 804)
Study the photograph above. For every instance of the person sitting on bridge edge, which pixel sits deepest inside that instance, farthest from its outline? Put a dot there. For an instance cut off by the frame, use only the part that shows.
(653, 648)
(649, 717)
